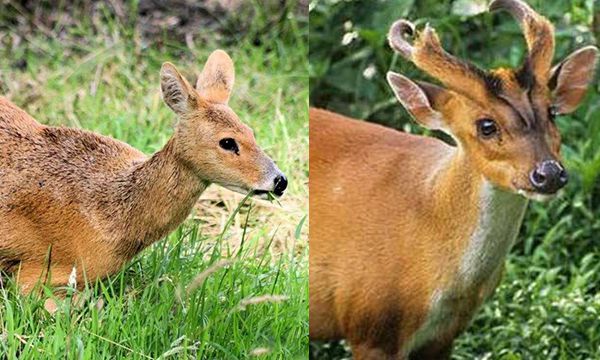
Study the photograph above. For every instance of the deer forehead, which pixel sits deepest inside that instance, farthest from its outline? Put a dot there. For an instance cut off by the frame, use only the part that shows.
(512, 99)
(223, 119)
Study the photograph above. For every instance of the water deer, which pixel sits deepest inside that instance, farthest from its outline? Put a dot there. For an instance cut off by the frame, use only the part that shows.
(76, 201)
(408, 233)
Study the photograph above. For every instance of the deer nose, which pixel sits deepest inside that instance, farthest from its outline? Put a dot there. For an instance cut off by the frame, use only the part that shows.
(280, 185)
(548, 177)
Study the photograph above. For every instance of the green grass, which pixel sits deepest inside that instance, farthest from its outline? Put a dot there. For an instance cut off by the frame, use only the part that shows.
(99, 75)
(548, 303)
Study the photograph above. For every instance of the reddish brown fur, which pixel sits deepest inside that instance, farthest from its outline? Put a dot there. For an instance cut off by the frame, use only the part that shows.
(71, 198)
(397, 218)
(349, 297)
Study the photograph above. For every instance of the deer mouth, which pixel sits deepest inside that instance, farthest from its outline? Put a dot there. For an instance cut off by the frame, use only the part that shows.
(537, 196)
(261, 194)
(529, 192)
(238, 189)
(266, 194)
(256, 193)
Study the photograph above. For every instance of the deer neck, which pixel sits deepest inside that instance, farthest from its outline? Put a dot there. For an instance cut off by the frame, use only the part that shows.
(483, 220)
(159, 193)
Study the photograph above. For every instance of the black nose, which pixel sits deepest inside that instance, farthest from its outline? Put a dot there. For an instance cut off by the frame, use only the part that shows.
(280, 185)
(548, 177)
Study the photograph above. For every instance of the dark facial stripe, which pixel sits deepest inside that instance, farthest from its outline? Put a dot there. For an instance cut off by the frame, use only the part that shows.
(527, 119)
(525, 76)
(493, 84)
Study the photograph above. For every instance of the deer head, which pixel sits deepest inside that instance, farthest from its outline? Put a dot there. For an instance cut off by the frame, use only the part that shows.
(503, 118)
(210, 139)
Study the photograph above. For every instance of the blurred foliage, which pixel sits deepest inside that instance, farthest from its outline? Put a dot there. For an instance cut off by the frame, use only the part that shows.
(547, 306)
(349, 55)
(157, 22)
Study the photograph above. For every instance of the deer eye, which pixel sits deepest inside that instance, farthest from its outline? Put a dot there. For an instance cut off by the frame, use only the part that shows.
(230, 145)
(552, 112)
(487, 128)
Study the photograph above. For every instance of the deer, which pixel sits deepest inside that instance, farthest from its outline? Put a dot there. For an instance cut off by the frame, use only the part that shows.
(409, 233)
(77, 204)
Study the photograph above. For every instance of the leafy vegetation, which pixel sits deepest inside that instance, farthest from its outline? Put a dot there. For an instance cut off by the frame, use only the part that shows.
(547, 306)
(231, 282)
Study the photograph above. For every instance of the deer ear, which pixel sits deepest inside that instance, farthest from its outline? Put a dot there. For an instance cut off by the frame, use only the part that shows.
(177, 93)
(570, 79)
(420, 100)
(216, 80)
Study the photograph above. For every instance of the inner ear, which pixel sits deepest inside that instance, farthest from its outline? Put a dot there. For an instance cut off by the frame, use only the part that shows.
(177, 93)
(437, 95)
(421, 99)
(570, 79)
(216, 80)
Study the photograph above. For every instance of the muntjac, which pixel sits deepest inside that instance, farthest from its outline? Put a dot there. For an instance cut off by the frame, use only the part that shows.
(408, 234)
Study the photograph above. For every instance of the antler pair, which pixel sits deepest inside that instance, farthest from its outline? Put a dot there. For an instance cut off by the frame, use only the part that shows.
(461, 76)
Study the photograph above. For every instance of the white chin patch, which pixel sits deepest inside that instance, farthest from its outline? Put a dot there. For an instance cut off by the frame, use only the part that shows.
(244, 191)
(536, 196)
(262, 196)
(237, 189)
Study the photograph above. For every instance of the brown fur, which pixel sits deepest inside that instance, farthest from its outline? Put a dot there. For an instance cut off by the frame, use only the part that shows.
(394, 216)
(451, 71)
(349, 297)
(71, 198)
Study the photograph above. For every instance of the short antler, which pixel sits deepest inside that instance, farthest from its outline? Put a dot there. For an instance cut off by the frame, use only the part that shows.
(428, 55)
(397, 40)
(539, 34)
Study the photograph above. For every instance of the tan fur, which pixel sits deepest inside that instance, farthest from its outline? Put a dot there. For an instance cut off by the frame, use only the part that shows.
(71, 198)
(406, 237)
(216, 79)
